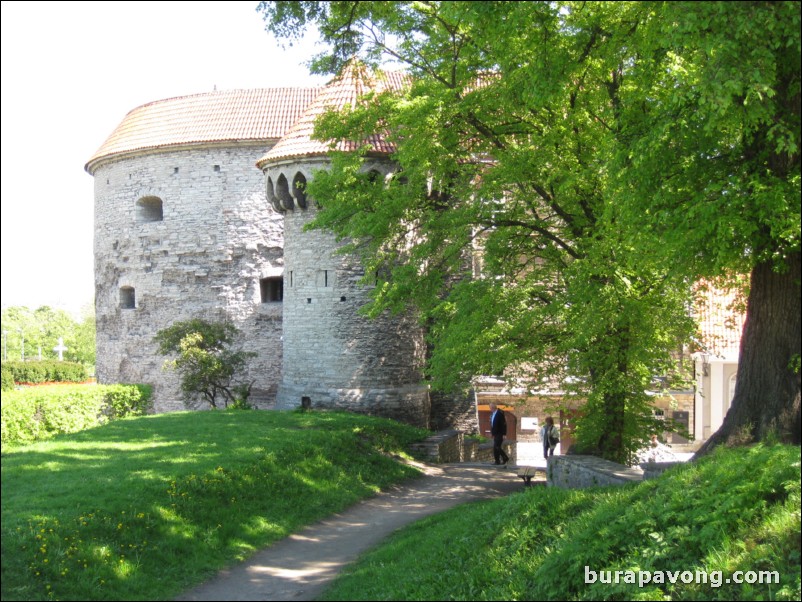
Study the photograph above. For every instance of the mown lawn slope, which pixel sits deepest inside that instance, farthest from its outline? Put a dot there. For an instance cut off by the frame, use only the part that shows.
(738, 510)
(143, 508)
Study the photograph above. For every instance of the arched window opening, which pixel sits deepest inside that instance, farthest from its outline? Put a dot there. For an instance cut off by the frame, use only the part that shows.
(299, 189)
(127, 297)
(283, 192)
(149, 209)
(270, 191)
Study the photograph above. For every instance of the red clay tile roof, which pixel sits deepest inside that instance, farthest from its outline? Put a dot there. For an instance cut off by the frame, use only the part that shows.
(343, 91)
(721, 319)
(261, 114)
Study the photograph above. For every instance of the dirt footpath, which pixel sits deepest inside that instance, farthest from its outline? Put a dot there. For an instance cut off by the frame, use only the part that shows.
(302, 565)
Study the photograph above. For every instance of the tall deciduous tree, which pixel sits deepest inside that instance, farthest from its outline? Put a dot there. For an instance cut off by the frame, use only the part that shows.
(513, 140)
(711, 170)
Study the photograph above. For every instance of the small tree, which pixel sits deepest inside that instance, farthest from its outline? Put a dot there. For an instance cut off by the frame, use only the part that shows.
(205, 362)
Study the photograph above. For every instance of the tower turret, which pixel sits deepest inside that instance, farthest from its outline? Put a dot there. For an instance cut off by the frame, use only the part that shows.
(333, 357)
(182, 231)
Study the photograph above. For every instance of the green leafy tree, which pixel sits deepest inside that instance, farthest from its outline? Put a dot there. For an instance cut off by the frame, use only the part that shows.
(601, 155)
(205, 362)
(501, 222)
(81, 342)
(41, 330)
(710, 172)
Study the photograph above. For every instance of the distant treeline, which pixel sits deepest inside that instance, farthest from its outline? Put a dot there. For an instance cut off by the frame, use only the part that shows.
(34, 334)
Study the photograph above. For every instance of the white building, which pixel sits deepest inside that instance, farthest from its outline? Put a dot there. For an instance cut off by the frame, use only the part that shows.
(721, 322)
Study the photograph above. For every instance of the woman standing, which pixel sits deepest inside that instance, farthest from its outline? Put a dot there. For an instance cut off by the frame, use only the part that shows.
(550, 437)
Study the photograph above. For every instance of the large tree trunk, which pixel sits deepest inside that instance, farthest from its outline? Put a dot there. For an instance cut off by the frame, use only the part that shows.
(767, 401)
(611, 443)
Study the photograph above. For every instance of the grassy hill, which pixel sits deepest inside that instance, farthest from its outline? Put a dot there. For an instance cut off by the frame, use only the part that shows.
(144, 507)
(728, 517)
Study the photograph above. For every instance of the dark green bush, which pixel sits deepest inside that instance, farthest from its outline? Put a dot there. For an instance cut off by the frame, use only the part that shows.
(47, 371)
(8, 378)
(126, 400)
(41, 412)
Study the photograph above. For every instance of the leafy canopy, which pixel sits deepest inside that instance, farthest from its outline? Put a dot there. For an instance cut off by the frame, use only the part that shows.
(204, 360)
(532, 217)
(41, 329)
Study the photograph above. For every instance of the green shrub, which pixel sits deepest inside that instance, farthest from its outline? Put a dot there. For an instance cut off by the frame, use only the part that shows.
(205, 362)
(41, 412)
(8, 378)
(47, 371)
(713, 514)
(126, 400)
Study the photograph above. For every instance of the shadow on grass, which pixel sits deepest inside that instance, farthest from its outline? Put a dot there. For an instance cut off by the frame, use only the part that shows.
(142, 508)
(736, 510)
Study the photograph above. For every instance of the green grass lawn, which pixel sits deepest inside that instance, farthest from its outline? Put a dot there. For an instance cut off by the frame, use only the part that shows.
(738, 510)
(143, 508)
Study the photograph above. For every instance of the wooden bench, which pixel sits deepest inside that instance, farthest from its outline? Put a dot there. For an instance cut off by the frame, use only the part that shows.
(527, 473)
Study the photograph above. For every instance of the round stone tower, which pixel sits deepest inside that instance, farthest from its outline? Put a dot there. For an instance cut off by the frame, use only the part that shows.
(333, 356)
(182, 230)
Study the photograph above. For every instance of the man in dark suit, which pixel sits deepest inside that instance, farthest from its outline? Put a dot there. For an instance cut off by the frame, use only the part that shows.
(498, 428)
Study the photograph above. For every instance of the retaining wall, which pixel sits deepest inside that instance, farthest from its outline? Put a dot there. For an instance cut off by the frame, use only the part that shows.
(451, 445)
(577, 472)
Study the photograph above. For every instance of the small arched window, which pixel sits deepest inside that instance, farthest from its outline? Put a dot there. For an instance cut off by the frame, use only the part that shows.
(127, 297)
(283, 192)
(149, 209)
(299, 189)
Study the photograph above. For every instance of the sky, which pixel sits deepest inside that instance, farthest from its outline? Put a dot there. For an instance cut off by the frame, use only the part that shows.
(70, 73)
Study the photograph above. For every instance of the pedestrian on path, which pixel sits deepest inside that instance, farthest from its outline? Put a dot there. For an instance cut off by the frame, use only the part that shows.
(550, 436)
(498, 428)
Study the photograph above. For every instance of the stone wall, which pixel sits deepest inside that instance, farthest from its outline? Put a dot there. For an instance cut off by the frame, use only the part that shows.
(217, 237)
(484, 452)
(451, 445)
(335, 357)
(444, 446)
(652, 470)
(577, 472)
(454, 411)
